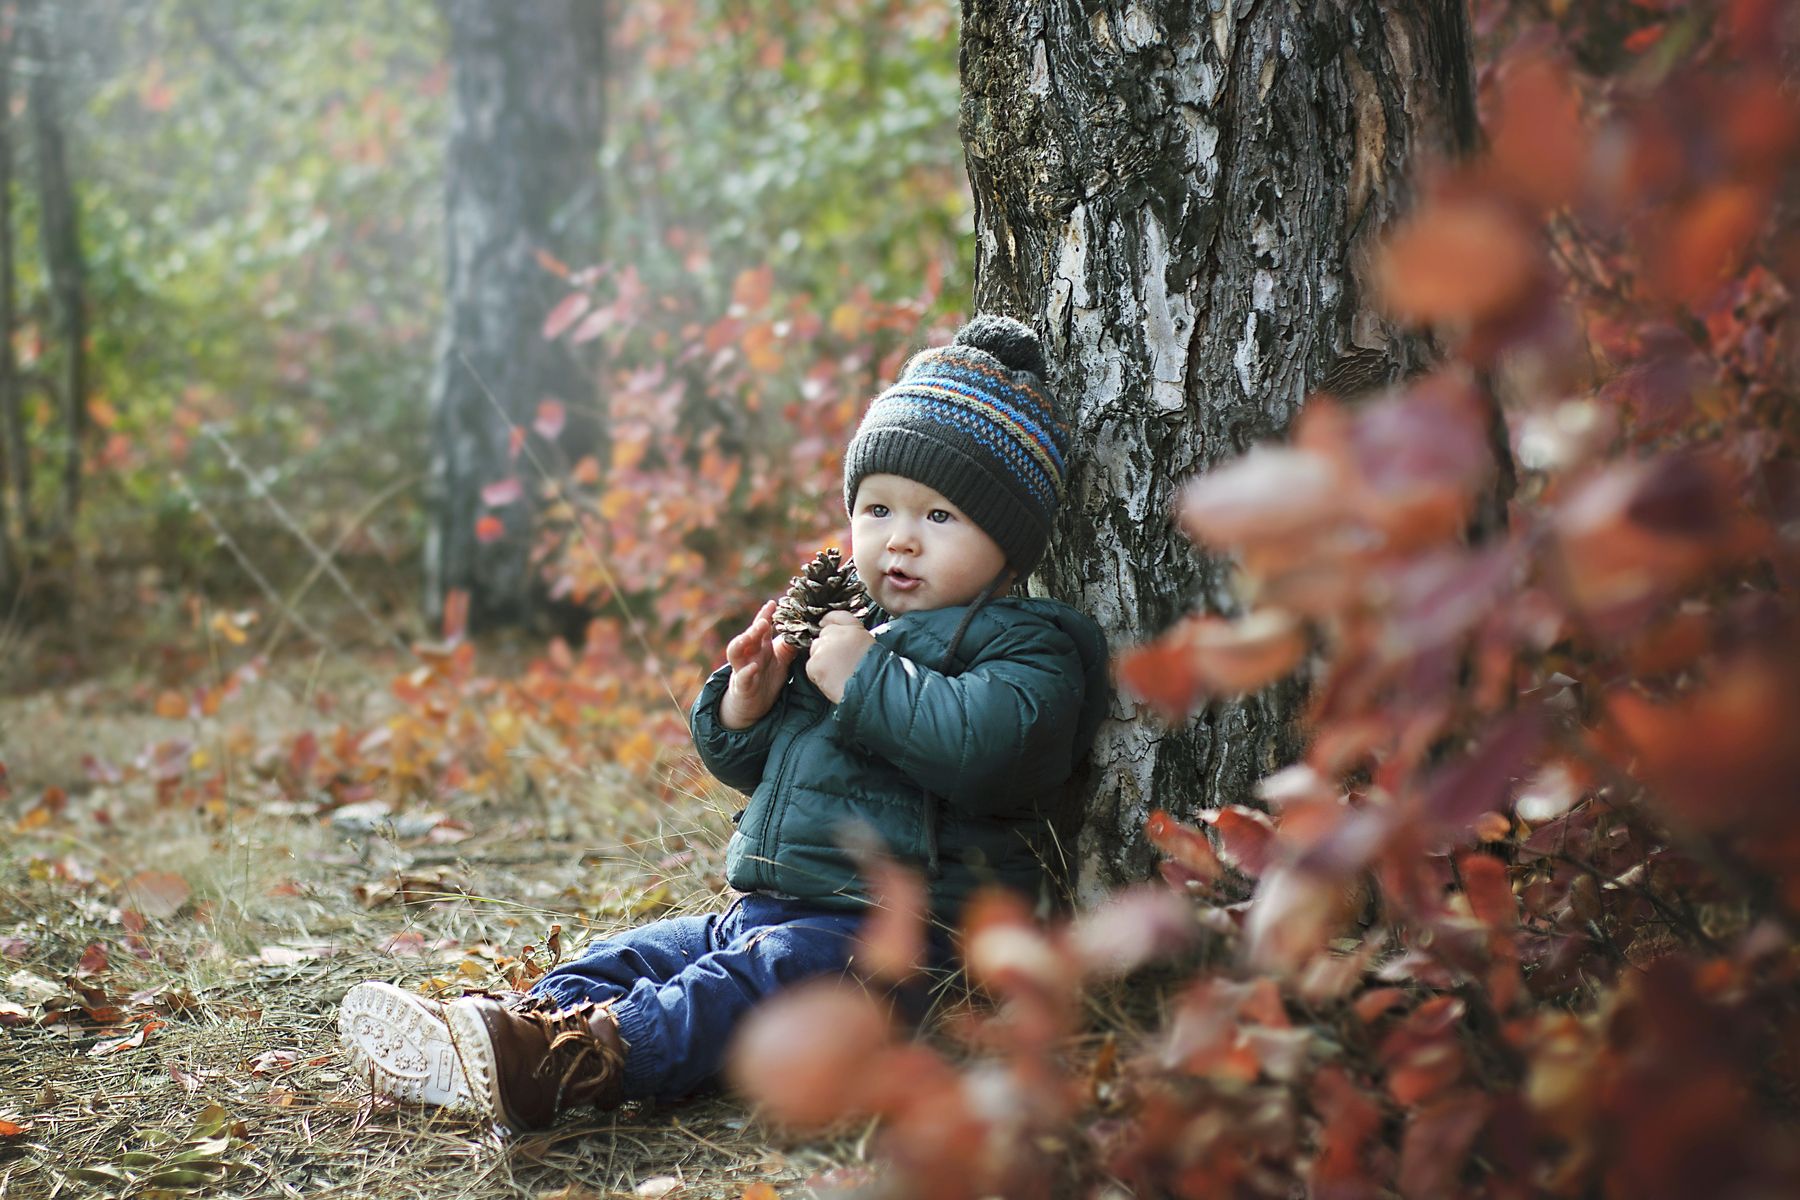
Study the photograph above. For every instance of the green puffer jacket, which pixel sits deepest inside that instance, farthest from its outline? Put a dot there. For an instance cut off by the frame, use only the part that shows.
(948, 767)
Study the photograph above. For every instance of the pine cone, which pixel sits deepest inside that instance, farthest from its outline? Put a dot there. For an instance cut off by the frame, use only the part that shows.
(826, 584)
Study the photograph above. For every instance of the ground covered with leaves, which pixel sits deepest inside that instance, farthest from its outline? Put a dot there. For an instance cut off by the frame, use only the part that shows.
(171, 960)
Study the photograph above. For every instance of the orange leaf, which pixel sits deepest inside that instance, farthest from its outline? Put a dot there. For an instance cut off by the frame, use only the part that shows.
(1183, 843)
(12, 1129)
(489, 528)
(1460, 260)
(1268, 493)
(1246, 837)
(1539, 148)
(804, 1054)
(1207, 655)
(760, 1190)
(171, 706)
(1707, 240)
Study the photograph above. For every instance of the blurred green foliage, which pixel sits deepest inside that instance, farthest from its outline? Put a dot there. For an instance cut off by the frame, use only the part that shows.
(261, 189)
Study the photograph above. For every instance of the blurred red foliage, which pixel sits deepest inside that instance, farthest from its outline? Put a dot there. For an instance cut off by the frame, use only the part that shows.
(1523, 921)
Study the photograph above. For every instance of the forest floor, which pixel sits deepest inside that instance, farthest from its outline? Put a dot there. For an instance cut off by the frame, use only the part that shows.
(170, 971)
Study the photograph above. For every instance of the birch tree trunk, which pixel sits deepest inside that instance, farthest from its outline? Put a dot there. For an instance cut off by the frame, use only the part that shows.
(60, 235)
(522, 171)
(1183, 197)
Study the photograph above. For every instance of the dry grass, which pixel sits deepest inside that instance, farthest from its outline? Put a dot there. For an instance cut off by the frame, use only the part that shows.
(238, 1088)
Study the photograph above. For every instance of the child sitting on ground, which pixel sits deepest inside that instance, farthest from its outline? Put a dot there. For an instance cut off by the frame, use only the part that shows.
(943, 726)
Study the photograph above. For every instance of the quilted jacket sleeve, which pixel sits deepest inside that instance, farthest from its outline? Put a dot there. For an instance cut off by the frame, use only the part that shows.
(734, 756)
(988, 740)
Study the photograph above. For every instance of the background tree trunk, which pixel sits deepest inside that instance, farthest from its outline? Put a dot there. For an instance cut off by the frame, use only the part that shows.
(15, 462)
(60, 234)
(1184, 201)
(522, 171)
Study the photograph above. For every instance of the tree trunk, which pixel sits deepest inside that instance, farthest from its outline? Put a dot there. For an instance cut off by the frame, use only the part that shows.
(60, 235)
(1184, 203)
(15, 462)
(522, 172)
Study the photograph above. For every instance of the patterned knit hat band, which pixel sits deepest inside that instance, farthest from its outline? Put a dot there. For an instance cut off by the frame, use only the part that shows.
(972, 423)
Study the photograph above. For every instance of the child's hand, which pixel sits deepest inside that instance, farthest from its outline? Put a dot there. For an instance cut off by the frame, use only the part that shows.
(759, 666)
(841, 643)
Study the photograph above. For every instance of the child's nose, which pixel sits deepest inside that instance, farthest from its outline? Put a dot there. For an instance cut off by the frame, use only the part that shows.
(903, 538)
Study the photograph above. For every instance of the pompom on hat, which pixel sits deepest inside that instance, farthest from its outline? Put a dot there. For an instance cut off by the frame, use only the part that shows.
(974, 420)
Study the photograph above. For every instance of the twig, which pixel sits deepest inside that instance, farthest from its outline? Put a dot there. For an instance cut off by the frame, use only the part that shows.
(337, 544)
(321, 559)
(261, 581)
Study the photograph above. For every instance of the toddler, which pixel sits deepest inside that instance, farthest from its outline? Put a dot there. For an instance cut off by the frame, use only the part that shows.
(945, 723)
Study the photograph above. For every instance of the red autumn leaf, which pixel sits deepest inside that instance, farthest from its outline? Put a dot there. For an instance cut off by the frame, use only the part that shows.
(502, 492)
(593, 325)
(1483, 780)
(1642, 39)
(1351, 1118)
(1183, 843)
(1207, 655)
(1132, 928)
(489, 528)
(1436, 1144)
(1377, 1001)
(1292, 914)
(804, 1055)
(550, 419)
(892, 940)
(157, 894)
(93, 961)
(1539, 148)
(131, 1042)
(1246, 837)
(1706, 240)
(12, 1129)
(567, 311)
(1271, 492)
(1489, 891)
(1460, 260)
(272, 1061)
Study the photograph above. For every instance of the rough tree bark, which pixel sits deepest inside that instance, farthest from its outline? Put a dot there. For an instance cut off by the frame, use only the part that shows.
(1182, 197)
(60, 235)
(522, 166)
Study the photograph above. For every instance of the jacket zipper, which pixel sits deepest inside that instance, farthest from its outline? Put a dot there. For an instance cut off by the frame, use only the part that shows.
(766, 850)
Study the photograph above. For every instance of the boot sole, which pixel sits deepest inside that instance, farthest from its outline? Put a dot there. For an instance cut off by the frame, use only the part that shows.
(419, 1051)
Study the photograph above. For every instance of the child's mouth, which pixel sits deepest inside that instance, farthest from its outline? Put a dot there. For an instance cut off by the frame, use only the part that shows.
(900, 581)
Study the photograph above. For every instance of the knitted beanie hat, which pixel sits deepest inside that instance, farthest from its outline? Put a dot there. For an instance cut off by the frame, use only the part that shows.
(975, 421)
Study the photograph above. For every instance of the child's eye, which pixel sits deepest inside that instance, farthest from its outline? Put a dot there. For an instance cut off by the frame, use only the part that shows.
(939, 516)
(876, 510)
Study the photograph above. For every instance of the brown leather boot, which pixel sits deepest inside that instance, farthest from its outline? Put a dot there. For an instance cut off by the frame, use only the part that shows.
(516, 1060)
(537, 1058)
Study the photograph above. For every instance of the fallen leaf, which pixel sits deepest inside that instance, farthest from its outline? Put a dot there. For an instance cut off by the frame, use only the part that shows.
(131, 1042)
(13, 1129)
(272, 1061)
(159, 895)
(658, 1186)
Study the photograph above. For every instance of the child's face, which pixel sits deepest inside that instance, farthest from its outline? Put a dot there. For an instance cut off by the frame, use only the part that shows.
(915, 550)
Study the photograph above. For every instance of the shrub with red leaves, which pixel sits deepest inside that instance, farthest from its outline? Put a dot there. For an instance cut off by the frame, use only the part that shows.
(1523, 920)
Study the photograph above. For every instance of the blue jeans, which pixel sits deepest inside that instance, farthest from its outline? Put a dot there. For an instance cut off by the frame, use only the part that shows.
(681, 985)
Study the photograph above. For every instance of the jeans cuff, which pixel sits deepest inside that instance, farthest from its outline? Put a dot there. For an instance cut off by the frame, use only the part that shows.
(640, 1074)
